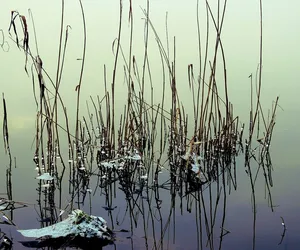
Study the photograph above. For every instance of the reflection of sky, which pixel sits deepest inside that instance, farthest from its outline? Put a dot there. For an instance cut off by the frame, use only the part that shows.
(241, 42)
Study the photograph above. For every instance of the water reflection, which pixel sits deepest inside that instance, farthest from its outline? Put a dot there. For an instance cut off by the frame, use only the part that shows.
(151, 209)
(191, 181)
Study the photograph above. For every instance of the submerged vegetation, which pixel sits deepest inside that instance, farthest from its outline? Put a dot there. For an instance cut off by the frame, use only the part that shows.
(159, 157)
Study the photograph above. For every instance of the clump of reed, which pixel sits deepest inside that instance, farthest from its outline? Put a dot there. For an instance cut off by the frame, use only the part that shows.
(150, 138)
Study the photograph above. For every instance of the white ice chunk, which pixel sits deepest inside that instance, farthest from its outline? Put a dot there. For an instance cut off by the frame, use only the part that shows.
(45, 177)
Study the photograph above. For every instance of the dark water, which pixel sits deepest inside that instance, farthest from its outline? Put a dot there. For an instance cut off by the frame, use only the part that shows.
(177, 228)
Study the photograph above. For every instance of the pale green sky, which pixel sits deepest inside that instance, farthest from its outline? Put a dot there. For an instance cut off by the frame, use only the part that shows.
(240, 38)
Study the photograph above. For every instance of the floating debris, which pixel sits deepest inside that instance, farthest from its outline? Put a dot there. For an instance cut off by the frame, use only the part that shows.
(46, 185)
(45, 177)
(196, 168)
(135, 157)
(144, 177)
(6, 204)
(120, 161)
(110, 164)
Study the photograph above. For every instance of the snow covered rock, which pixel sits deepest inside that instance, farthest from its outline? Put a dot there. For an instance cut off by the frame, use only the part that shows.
(78, 226)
